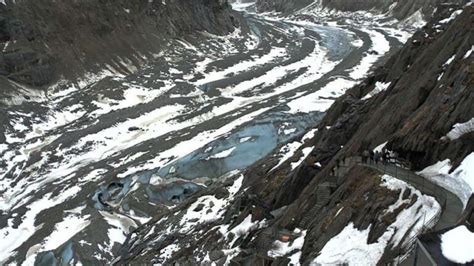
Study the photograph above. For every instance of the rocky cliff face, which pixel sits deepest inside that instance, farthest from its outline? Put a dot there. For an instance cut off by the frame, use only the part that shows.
(428, 100)
(44, 40)
(289, 215)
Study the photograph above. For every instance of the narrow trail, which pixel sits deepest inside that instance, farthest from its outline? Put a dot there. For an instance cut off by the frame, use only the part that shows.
(452, 207)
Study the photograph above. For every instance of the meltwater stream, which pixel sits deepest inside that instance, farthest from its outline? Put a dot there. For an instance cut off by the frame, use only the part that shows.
(85, 164)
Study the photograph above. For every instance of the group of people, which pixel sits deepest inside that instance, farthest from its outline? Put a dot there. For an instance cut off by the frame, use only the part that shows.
(377, 157)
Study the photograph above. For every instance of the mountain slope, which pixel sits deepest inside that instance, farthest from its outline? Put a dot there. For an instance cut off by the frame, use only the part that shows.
(44, 40)
(398, 9)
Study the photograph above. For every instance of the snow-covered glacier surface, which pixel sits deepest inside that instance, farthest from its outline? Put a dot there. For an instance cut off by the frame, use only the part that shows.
(86, 163)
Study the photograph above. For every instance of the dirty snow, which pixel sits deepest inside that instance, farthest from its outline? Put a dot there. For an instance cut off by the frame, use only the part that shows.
(282, 249)
(223, 154)
(63, 231)
(461, 129)
(416, 20)
(213, 208)
(288, 150)
(306, 152)
(380, 46)
(452, 17)
(379, 87)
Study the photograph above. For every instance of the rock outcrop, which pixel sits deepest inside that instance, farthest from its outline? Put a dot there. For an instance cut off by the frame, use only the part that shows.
(282, 5)
(44, 40)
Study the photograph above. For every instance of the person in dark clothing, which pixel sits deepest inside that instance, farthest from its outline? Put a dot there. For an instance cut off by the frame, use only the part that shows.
(385, 156)
(377, 157)
(371, 153)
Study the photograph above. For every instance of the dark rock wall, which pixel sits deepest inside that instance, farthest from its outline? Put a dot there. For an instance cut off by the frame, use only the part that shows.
(413, 114)
(282, 5)
(45, 39)
(426, 107)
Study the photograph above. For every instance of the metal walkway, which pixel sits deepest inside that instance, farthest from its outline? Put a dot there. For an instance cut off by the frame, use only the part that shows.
(452, 207)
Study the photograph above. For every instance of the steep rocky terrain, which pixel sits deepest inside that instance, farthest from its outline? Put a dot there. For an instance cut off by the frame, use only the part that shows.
(293, 213)
(413, 116)
(44, 40)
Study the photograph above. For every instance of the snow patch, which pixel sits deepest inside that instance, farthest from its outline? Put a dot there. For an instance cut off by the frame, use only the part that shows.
(458, 245)
(321, 100)
(416, 20)
(287, 151)
(350, 247)
(223, 154)
(452, 17)
(306, 152)
(285, 248)
(245, 139)
(65, 230)
(449, 61)
(460, 182)
(380, 46)
(461, 129)
(120, 227)
(379, 87)
(468, 53)
(213, 208)
(380, 147)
